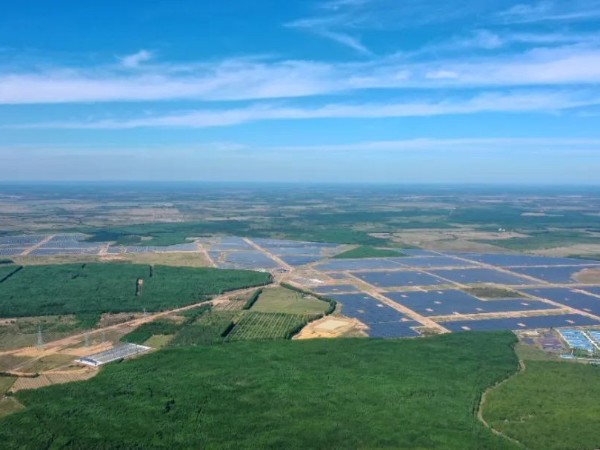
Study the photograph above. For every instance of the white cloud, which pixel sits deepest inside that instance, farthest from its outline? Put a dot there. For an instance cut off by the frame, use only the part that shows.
(136, 59)
(347, 40)
(247, 79)
(552, 11)
(490, 102)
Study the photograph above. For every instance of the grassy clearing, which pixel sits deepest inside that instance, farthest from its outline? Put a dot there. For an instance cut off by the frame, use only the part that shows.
(282, 300)
(335, 393)
(530, 353)
(22, 331)
(550, 405)
(144, 332)
(48, 362)
(99, 288)
(490, 292)
(366, 251)
(9, 405)
(6, 383)
(159, 340)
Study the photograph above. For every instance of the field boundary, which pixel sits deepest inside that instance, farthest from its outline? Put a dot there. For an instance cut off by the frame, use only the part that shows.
(481, 403)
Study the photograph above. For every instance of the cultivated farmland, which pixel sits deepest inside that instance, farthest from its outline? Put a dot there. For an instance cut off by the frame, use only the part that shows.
(256, 325)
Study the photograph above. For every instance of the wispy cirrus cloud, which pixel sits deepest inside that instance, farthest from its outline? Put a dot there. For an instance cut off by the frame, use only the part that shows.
(544, 102)
(253, 79)
(552, 11)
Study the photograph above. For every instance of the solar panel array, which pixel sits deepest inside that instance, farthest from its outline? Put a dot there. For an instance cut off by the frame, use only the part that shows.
(382, 320)
(576, 340)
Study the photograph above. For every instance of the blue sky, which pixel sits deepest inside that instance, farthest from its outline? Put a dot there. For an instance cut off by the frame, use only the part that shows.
(331, 90)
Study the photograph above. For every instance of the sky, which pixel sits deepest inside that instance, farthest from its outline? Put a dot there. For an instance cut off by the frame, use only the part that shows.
(377, 91)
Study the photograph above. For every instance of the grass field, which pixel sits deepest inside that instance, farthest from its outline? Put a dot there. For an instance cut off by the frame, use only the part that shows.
(549, 406)
(366, 251)
(6, 271)
(206, 329)
(491, 292)
(282, 300)
(340, 393)
(99, 288)
(5, 384)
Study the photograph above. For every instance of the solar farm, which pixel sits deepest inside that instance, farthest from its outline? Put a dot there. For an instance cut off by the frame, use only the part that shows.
(420, 293)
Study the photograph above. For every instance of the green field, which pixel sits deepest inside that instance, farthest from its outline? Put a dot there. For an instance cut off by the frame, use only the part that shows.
(6, 271)
(341, 393)
(549, 406)
(282, 300)
(258, 325)
(365, 251)
(207, 329)
(97, 288)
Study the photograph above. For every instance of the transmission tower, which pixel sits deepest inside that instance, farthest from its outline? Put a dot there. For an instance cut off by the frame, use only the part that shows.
(40, 339)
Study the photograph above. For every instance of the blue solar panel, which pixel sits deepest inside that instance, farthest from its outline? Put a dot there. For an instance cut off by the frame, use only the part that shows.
(332, 289)
(398, 278)
(358, 264)
(392, 330)
(594, 290)
(432, 261)
(481, 276)
(554, 274)
(520, 323)
(510, 260)
(382, 320)
(299, 260)
(568, 297)
(446, 302)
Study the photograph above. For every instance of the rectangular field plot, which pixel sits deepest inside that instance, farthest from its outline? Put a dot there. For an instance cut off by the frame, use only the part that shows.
(446, 302)
(432, 261)
(399, 278)
(468, 276)
(259, 325)
(520, 323)
(336, 289)
(568, 297)
(118, 352)
(359, 264)
(380, 318)
(553, 274)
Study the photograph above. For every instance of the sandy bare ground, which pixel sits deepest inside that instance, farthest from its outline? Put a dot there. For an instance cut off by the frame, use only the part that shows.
(331, 327)
(53, 377)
